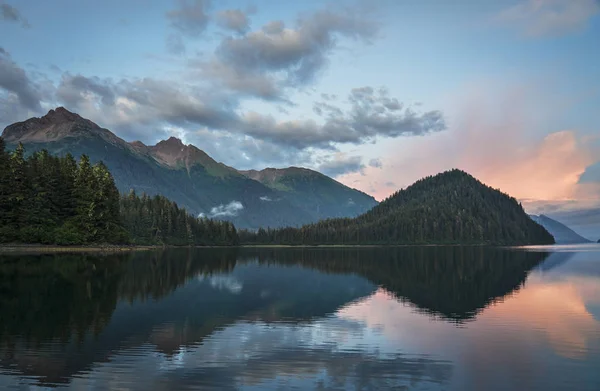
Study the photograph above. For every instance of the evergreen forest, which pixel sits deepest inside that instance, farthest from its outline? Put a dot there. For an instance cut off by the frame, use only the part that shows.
(449, 208)
(45, 199)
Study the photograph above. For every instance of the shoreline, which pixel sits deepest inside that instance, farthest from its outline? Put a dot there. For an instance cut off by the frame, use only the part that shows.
(50, 249)
(17, 248)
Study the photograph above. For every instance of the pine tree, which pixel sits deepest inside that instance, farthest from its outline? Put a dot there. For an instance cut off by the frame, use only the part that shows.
(5, 193)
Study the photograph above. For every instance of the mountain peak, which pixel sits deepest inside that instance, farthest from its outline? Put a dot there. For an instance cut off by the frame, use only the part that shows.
(270, 174)
(61, 115)
(170, 146)
(174, 153)
(174, 140)
(55, 125)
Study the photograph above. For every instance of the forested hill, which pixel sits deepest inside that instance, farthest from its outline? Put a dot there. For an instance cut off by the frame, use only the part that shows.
(46, 199)
(451, 207)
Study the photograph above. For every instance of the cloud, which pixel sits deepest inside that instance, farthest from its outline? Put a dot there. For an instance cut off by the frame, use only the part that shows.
(539, 18)
(14, 80)
(11, 14)
(500, 139)
(234, 19)
(225, 210)
(73, 89)
(243, 152)
(128, 103)
(131, 105)
(190, 17)
(244, 84)
(375, 163)
(282, 56)
(372, 113)
(342, 164)
(200, 113)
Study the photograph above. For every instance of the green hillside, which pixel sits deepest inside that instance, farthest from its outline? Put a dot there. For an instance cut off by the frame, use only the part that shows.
(318, 195)
(451, 207)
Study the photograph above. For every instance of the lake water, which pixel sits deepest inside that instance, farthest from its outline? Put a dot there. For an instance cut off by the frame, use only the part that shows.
(422, 318)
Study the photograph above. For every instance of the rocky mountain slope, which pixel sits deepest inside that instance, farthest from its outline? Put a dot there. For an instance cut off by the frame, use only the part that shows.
(183, 173)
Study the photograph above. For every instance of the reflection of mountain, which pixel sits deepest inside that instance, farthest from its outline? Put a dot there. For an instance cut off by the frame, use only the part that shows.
(555, 260)
(81, 310)
(452, 282)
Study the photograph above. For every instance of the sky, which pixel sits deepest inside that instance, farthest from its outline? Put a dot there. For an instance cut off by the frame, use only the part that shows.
(375, 93)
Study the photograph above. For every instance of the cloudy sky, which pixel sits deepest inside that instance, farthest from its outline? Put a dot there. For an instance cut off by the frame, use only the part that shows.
(375, 93)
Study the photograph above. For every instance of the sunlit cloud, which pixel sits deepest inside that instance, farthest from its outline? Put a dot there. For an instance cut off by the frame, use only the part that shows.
(496, 138)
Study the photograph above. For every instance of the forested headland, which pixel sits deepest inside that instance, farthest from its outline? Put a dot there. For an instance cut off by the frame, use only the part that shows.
(45, 199)
(449, 208)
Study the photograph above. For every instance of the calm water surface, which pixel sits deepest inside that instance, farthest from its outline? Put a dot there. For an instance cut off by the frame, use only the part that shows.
(434, 318)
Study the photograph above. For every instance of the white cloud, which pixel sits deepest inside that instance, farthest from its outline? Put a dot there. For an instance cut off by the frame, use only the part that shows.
(222, 282)
(231, 209)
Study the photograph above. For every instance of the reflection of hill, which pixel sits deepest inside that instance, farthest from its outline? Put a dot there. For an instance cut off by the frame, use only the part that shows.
(451, 282)
(62, 314)
(80, 309)
(555, 260)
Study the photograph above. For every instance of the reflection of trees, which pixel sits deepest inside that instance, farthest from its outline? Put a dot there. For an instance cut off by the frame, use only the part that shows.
(62, 297)
(56, 296)
(80, 308)
(454, 282)
(169, 298)
(157, 274)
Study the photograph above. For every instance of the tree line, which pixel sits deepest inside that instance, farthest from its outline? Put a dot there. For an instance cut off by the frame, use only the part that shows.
(449, 208)
(47, 199)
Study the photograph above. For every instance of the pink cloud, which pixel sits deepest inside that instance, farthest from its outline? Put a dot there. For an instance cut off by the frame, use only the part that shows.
(494, 135)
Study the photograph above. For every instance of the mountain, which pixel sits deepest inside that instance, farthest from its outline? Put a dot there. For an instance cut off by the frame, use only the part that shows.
(562, 234)
(586, 222)
(451, 207)
(182, 173)
(317, 194)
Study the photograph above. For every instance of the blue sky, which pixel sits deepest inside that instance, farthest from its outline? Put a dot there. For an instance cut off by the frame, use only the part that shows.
(375, 93)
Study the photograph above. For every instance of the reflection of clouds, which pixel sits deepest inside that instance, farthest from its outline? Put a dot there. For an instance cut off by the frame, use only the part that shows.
(558, 310)
(538, 331)
(223, 282)
(330, 353)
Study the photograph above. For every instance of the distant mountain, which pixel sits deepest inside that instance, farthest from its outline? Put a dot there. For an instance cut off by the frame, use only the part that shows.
(451, 207)
(586, 222)
(317, 194)
(182, 173)
(562, 234)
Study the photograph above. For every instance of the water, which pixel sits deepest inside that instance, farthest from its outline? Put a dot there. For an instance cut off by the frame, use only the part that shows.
(432, 318)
